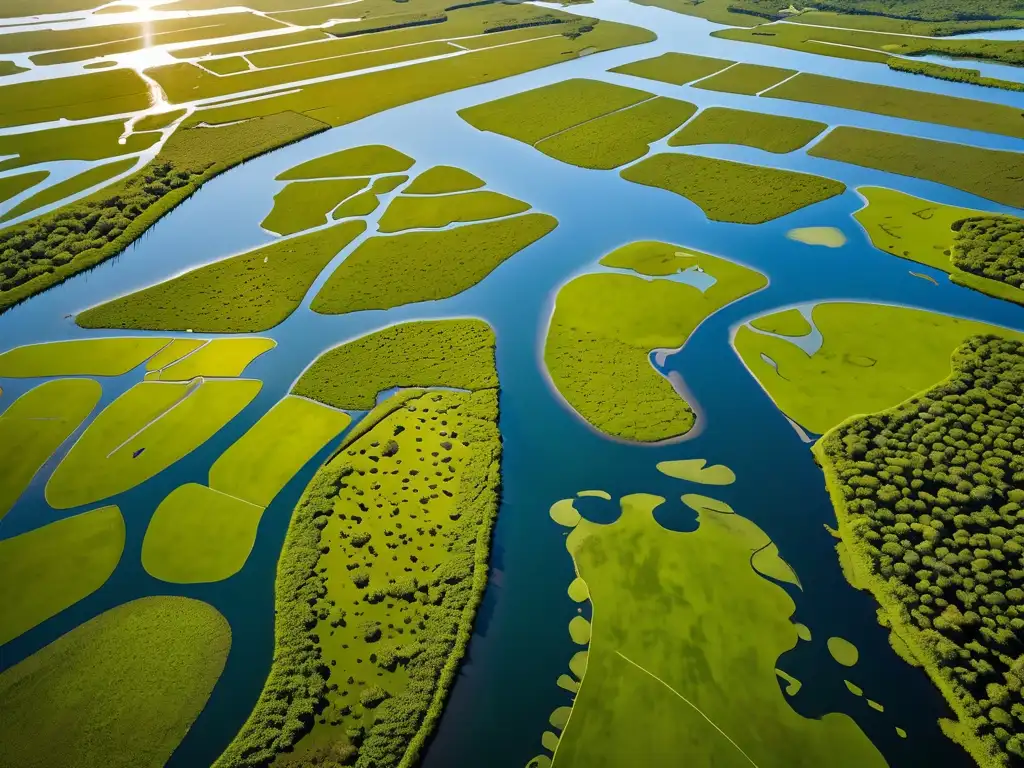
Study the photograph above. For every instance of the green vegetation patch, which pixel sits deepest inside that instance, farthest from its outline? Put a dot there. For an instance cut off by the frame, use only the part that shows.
(989, 173)
(12, 186)
(384, 564)
(843, 651)
(141, 433)
(217, 357)
(620, 137)
(87, 141)
(34, 426)
(534, 115)
(978, 250)
(227, 65)
(306, 204)
(357, 161)
(443, 179)
(247, 293)
(789, 322)
(49, 249)
(928, 494)
(442, 210)
(674, 68)
(111, 92)
(653, 258)
(903, 103)
(199, 535)
(173, 352)
(748, 79)
(82, 357)
(733, 192)
(158, 120)
(695, 471)
(829, 237)
(277, 446)
(430, 353)
(120, 691)
(605, 326)
(640, 672)
(44, 571)
(385, 272)
(772, 133)
(69, 187)
(864, 364)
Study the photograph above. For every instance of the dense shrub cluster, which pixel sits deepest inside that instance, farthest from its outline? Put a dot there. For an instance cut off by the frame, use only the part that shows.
(924, 10)
(934, 497)
(992, 247)
(42, 245)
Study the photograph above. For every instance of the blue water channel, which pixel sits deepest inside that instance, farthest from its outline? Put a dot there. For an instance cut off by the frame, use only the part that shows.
(506, 689)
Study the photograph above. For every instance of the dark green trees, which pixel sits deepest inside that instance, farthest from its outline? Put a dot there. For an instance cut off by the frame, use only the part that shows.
(992, 247)
(934, 493)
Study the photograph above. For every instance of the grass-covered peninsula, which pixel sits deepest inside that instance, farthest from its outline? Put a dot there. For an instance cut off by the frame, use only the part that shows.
(383, 566)
(605, 326)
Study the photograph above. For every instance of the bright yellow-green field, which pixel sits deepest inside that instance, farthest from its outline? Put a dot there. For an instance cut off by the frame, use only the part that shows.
(223, 358)
(695, 471)
(12, 186)
(674, 68)
(442, 179)
(276, 447)
(620, 137)
(44, 571)
(385, 272)
(921, 231)
(177, 349)
(789, 322)
(748, 79)
(534, 115)
(306, 204)
(246, 293)
(772, 133)
(733, 192)
(96, 94)
(34, 426)
(369, 160)
(89, 141)
(605, 326)
(198, 535)
(442, 210)
(141, 672)
(144, 431)
(83, 357)
(865, 364)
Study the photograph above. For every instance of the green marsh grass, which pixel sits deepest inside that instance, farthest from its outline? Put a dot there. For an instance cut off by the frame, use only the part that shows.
(385, 272)
(368, 160)
(222, 358)
(90, 141)
(141, 433)
(143, 671)
(429, 353)
(247, 293)
(79, 97)
(989, 173)
(34, 426)
(69, 187)
(620, 137)
(81, 357)
(772, 133)
(198, 535)
(748, 79)
(443, 179)
(44, 571)
(674, 68)
(442, 210)
(789, 322)
(733, 192)
(306, 204)
(12, 186)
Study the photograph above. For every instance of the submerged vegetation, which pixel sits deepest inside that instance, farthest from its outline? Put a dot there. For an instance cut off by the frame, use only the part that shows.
(928, 495)
(384, 564)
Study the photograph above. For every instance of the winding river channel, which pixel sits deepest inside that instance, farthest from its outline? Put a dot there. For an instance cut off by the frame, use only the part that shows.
(506, 689)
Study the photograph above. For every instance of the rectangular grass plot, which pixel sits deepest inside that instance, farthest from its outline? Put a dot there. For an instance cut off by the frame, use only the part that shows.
(748, 79)
(674, 68)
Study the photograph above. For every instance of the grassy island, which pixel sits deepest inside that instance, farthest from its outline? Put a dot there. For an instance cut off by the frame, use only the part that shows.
(383, 566)
(772, 133)
(443, 179)
(605, 326)
(928, 497)
(989, 173)
(385, 272)
(247, 293)
(864, 364)
(638, 670)
(978, 250)
(674, 68)
(142, 672)
(733, 192)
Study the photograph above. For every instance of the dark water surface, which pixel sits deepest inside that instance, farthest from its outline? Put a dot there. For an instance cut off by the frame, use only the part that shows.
(506, 689)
